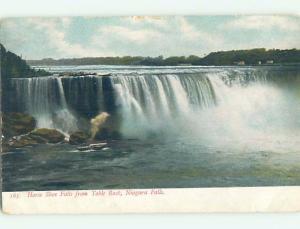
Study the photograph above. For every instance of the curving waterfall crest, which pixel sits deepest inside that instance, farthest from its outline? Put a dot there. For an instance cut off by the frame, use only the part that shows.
(147, 103)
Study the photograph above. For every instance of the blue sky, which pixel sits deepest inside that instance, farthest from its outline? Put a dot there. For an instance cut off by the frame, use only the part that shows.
(65, 37)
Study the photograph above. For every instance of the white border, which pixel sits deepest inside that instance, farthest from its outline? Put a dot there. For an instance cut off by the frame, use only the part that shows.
(180, 200)
(17, 8)
(124, 7)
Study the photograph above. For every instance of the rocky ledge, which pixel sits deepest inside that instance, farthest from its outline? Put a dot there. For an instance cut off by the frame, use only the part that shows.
(79, 137)
(14, 124)
(37, 136)
(19, 130)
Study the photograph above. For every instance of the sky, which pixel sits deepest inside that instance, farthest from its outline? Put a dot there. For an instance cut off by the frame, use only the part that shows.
(66, 37)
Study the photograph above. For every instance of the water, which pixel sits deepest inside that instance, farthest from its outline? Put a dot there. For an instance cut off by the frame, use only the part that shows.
(192, 127)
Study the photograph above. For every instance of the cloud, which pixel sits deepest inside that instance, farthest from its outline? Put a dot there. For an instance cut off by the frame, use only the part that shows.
(188, 31)
(158, 21)
(264, 22)
(191, 33)
(145, 36)
(55, 31)
(175, 36)
(133, 35)
(9, 32)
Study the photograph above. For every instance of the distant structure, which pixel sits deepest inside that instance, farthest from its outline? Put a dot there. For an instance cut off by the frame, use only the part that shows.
(241, 62)
(259, 62)
(270, 62)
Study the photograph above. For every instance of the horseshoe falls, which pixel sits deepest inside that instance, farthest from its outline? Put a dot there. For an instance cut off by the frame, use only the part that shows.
(215, 105)
(180, 127)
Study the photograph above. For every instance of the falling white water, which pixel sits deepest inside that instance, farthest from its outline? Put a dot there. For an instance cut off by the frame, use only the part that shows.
(163, 98)
(180, 95)
(219, 107)
(45, 100)
(260, 116)
(159, 104)
(214, 109)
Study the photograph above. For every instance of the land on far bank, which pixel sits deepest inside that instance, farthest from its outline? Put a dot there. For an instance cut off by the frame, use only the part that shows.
(259, 56)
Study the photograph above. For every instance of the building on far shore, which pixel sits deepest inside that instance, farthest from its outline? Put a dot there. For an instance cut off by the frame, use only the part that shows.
(240, 62)
(270, 62)
(259, 62)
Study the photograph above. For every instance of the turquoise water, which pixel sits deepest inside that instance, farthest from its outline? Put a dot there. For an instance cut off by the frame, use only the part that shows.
(150, 164)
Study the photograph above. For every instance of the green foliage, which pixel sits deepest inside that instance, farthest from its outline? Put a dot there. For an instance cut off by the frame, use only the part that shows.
(126, 60)
(13, 66)
(250, 57)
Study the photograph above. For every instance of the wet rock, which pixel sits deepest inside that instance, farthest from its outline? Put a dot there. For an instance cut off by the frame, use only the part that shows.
(98, 123)
(105, 126)
(97, 146)
(78, 137)
(15, 124)
(77, 74)
(47, 135)
(38, 136)
(22, 141)
(107, 133)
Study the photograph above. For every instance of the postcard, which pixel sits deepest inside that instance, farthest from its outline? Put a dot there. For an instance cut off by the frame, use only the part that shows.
(150, 114)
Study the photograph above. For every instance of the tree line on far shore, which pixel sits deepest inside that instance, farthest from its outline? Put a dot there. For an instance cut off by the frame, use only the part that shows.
(247, 57)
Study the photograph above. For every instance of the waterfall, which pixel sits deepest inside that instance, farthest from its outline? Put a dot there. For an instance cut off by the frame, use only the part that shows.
(44, 99)
(155, 103)
(219, 102)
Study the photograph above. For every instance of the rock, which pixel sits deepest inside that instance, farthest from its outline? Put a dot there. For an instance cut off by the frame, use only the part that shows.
(105, 126)
(98, 123)
(76, 74)
(107, 133)
(22, 141)
(102, 134)
(78, 137)
(37, 136)
(15, 124)
(44, 135)
(104, 74)
(96, 146)
(83, 148)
